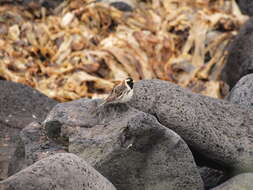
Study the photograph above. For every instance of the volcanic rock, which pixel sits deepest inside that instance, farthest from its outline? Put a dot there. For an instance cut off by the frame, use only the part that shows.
(216, 129)
(34, 145)
(242, 92)
(62, 171)
(240, 55)
(246, 6)
(212, 177)
(242, 181)
(129, 147)
(122, 5)
(20, 105)
(34, 4)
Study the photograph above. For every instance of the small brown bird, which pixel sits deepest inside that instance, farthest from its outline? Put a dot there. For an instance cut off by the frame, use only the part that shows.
(121, 93)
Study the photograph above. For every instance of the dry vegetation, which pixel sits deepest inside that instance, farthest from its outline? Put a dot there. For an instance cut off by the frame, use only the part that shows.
(84, 46)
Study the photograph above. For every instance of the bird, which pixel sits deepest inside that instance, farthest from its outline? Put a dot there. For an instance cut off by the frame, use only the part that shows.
(121, 93)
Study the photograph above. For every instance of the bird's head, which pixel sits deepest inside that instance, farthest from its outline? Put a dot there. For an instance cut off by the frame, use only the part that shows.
(129, 81)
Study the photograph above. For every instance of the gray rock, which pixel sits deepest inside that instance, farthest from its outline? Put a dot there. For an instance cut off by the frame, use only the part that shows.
(122, 5)
(20, 105)
(240, 182)
(33, 146)
(246, 6)
(242, 92)
(240, 55)
(62, 171)
(127, 146)
(49, 4)
(212, 177)
(216, 129)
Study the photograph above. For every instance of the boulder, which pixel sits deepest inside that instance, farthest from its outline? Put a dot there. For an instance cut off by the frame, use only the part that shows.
(122, 5)
(129, 147)
(240, 182)
(240, 55)
(246, 6)
(212, 177)
(35, 4)
(62, 171)
(216, 129)
(20, 105)
(242, 92)
(33, 146)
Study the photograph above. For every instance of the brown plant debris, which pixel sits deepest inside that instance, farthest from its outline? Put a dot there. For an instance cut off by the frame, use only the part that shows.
(81, 49)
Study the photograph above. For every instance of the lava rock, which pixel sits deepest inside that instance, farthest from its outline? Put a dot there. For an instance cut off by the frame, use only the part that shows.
(242, 92)
(215, 128)
(246, 6)
(240, 55)
(33, 146)
(242, 181)
(212, 177)
(34, 4)
(49, 4)
(129, 147)
(61, 171)
(122, 5)
(20, 105)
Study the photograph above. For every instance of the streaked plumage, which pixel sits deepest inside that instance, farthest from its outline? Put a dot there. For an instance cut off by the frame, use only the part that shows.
(120, 93)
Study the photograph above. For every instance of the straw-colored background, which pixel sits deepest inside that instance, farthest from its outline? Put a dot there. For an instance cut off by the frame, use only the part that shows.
(84, 47)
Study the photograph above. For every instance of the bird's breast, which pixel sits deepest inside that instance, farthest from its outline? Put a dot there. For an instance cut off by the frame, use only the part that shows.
(127, 96)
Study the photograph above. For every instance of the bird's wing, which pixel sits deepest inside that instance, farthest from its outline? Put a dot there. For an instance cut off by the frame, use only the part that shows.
(116, 92)
(119, 89)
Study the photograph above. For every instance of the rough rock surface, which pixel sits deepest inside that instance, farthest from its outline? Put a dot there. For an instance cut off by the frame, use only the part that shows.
(129, 147)
(212, 177)
(33, 146)
(240, 55)
(122, 5)
(217, 129)
(240, 182)
(33, 4)
(242, 92)
(20, 105)
(246, 6)
(62, 171)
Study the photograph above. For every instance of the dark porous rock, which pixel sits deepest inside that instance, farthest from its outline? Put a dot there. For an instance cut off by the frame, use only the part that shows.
(62, 171)
(33, 146)
(122, 5)
(212, 177)
(20, 105)
(33, 4)
(246, 6)
(240, 56)
(129, 147)
(242, 92)
(49, 4)
(216, 129)
(240, 182)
